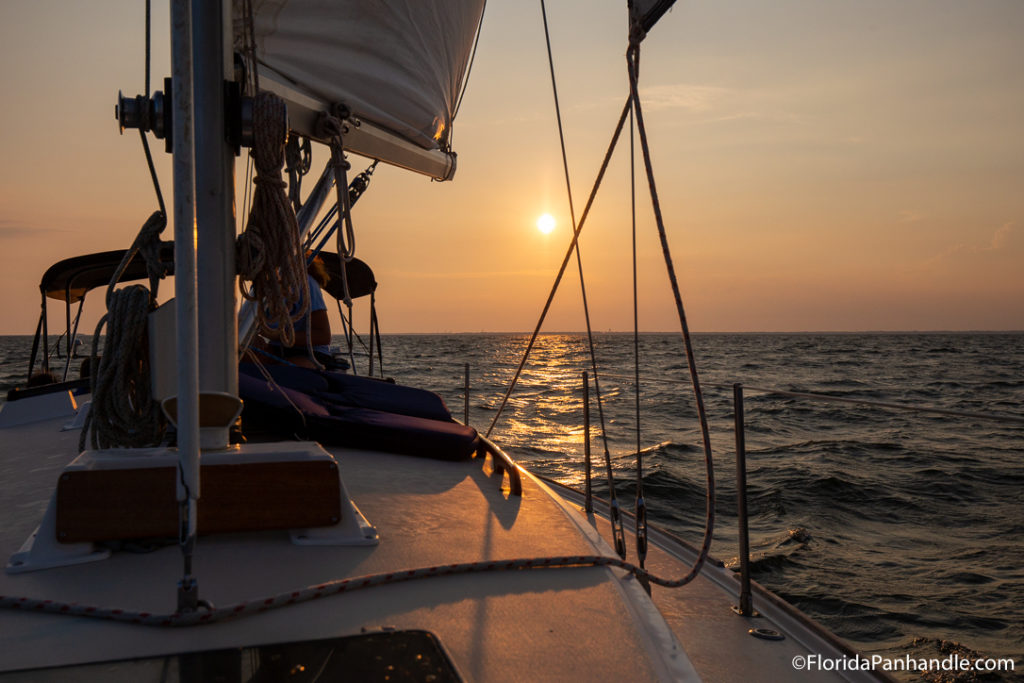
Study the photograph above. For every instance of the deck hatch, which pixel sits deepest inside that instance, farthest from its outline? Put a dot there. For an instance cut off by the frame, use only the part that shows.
(399, 656)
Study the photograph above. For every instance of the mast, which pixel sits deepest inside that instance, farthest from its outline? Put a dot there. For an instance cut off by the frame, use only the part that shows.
(204, 239)
(213, 64)
(186, 294)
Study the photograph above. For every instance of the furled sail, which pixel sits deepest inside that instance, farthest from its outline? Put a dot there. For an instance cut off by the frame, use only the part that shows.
(399, 64)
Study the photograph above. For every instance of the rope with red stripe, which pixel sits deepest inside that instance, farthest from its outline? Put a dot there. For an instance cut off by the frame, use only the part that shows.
(323, 590)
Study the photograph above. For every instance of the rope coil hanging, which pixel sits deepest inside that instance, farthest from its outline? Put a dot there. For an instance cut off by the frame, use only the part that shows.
(269, 251)
(332, 128)
(123, 412)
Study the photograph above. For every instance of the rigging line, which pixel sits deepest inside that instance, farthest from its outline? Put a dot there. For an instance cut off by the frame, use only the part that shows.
(633, 63)
(148, 44)
(249, 44)
(348, 331)
(376, 326)
(142, 133)
(152, 172)
(619, 537)
(469, 70)
(247, 196)
(558, 114)
(640, 509)
(561, 271)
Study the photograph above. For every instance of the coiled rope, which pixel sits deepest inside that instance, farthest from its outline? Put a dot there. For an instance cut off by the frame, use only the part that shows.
(123, 412)
(269, 253)
(323, 590)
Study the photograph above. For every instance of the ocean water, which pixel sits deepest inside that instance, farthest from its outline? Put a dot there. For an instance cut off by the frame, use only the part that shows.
(903, 532)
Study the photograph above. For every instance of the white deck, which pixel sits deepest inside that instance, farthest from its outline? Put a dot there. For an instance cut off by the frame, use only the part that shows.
(544, 624)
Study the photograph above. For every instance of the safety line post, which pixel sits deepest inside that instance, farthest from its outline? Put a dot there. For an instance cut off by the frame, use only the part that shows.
(465, 386)
(586, 441)
(745, 608)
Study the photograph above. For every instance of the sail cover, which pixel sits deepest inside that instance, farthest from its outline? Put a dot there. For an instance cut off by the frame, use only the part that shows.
(397, 63)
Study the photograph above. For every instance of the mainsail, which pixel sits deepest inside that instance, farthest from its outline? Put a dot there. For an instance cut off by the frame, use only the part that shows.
(399, 65)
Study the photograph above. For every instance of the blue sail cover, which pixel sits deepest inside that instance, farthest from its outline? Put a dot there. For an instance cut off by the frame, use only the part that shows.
(399, 64)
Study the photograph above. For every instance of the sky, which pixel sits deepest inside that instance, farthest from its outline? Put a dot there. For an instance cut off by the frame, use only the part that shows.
(822, 166)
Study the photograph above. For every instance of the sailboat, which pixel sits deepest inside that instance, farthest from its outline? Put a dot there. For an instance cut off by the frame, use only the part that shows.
(347, 528)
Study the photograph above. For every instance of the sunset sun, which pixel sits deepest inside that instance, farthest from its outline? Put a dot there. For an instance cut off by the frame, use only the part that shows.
(546, 223)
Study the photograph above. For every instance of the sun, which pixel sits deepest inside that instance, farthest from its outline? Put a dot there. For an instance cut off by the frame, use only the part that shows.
(546, 223)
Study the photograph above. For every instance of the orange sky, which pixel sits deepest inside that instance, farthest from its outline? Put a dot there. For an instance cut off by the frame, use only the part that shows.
(821, 165)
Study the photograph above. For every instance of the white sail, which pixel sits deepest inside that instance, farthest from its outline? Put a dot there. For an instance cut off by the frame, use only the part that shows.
(397, 64)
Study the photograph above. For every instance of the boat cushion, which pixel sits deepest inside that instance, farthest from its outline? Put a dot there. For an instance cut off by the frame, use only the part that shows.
(352, 390)
(357, 412)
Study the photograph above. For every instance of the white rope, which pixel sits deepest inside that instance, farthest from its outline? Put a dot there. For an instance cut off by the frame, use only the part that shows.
(123, 412)
(269, 254)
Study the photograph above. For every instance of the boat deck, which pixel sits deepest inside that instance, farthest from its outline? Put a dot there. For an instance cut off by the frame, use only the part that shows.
(585, 623)
(717, 639)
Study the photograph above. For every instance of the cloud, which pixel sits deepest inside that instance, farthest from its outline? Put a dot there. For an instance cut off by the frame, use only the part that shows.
(909, 216)
(476, 275)
(13, 229)
(1001, 237)
(999, 241)
(694, 98)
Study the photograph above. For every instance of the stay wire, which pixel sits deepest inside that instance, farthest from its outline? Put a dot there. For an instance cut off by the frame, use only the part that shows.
(152, 173)
(148, 43)
(640, 510)
(617, 531)
(633, 64)
(469, 70)
(561, 270)
(142, 133)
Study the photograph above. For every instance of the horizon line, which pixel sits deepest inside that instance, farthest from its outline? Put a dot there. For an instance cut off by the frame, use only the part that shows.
(596, 332)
